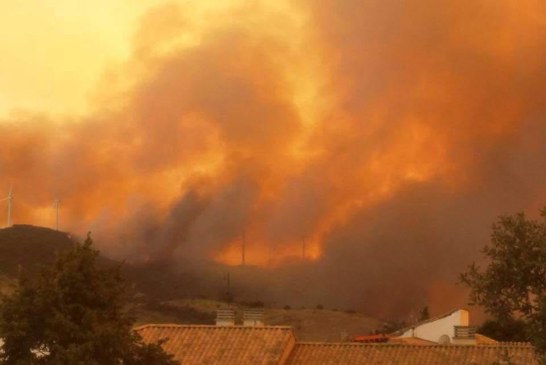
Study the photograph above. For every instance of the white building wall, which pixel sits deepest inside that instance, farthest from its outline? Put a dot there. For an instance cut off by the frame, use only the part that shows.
(445, 326)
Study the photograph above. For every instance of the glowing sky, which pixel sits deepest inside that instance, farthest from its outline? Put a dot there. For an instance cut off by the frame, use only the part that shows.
(54, 52)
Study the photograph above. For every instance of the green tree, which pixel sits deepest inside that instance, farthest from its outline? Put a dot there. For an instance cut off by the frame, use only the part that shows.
(512, 330)
(513, 285)
(73, 313)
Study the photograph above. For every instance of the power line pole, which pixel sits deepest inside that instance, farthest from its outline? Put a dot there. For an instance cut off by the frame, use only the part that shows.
(303, 247)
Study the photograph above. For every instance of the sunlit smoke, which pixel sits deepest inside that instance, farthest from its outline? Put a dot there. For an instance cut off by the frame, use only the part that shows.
(375, 141)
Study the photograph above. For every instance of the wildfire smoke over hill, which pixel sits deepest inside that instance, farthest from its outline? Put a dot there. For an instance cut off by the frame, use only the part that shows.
(385, 135)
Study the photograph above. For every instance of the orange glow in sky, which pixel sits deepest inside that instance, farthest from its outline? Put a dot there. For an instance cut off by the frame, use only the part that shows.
(181, 124)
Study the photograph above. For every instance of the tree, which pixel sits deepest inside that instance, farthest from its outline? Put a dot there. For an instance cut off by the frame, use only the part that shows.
(513, 330)
(73, 313)
(424, 314)
(513, 285)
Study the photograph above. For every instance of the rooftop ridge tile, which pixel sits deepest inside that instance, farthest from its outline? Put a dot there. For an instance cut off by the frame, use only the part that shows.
(209, 326)
(341, 344)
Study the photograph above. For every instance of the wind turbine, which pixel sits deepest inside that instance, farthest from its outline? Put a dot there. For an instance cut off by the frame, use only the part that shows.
(56, 204)
(9, 199)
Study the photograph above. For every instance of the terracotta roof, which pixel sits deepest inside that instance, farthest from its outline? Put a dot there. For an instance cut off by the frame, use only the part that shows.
(386, 354)
(411, 341)
(371, 338)
(214, 345)
(484, 340)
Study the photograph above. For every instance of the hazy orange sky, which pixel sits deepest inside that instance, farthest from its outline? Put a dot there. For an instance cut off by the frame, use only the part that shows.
(54, 52)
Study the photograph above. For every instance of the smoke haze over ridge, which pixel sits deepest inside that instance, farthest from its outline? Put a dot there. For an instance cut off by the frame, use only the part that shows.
(387, 135)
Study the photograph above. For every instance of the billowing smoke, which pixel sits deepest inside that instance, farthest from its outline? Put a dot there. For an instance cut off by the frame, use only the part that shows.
(360, 148)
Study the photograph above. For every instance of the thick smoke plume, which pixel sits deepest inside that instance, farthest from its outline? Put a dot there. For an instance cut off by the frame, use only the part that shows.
(360, 148)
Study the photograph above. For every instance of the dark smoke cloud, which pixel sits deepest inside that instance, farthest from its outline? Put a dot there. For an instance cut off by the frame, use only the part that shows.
(429, 122)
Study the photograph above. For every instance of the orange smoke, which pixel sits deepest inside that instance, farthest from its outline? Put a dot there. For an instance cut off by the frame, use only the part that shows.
(286, 123)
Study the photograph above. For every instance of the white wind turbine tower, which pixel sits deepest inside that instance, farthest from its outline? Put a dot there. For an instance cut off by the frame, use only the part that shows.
(10, 201)
(56, 204)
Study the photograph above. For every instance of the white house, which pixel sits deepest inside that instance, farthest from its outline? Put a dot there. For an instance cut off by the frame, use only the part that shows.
(451, 328)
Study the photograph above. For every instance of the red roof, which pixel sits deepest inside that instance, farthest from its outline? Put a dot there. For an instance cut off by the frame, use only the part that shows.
(275, 345)
(216, 345)
(371, 339)
(386, 354)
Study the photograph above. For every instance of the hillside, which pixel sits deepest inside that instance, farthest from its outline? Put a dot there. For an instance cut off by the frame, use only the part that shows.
(24, 247)
(309, 324)
(322, 324)
(157, 289)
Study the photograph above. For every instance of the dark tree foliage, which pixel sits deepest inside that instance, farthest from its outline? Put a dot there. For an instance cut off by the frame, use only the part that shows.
(73, 314)
(512, 330)
(513, 285)
(424, 314)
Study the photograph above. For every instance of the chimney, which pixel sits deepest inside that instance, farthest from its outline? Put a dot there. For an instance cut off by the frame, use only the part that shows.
(253, 317)
(225, 317)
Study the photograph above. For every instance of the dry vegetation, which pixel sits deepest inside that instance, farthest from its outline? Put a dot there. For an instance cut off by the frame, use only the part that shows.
(309, 324)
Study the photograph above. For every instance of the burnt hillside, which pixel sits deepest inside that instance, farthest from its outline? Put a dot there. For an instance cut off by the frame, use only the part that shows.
(25, 247)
